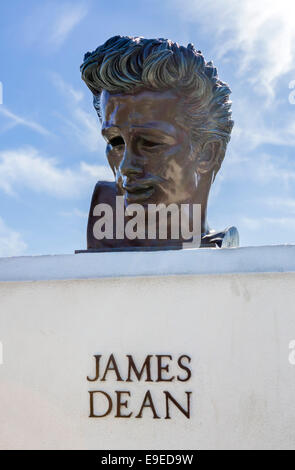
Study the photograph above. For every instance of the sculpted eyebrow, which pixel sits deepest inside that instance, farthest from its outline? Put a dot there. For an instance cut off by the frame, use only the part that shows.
(156, 126)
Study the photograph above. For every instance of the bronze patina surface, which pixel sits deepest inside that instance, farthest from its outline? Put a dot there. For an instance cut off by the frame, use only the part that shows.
(166, 119)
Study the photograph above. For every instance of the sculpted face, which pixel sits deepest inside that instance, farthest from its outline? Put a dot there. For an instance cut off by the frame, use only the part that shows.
(149, 151)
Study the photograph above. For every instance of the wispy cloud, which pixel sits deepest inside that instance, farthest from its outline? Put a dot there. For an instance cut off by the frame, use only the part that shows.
(74, 213)
(16, 120)
(52, 22)
(84, 127)
(261, 33)
(27, 169)
(253, 126)
(277, 171)
(259, 223)
(65, 21)
(11, 242)
(79, 123)
(66, 89)
(267, 168)
(286, 205)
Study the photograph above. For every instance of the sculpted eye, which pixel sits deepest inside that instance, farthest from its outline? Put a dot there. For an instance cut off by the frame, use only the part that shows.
(117, 141)
(149, 143)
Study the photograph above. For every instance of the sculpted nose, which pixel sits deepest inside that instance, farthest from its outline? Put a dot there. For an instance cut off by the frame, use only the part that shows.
(130, 165)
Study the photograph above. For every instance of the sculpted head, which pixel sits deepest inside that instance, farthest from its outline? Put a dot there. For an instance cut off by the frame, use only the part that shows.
(165, 116)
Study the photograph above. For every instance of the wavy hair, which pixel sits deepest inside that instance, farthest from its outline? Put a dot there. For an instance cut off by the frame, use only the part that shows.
(127, 64)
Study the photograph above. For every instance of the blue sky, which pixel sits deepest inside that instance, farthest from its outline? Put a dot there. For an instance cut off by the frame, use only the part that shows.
(51, 152)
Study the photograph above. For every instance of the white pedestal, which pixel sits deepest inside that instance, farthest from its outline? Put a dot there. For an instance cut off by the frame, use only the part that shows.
(231, 311)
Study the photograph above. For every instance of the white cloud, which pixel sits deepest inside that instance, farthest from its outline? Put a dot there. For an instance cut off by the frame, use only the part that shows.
(51, 23)
(27, 168)
(75, 213)
(281, 204)
(251, 223)
(277, 171)
(66, 89)
(17, 120)
(82, 125)
(85, 127)
(66, 19)
(11, 242)
(253, 126)
(274, 222)
(266, 169)
(261, 33)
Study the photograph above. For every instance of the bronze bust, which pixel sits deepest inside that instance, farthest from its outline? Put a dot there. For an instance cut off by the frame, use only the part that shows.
(166, 119)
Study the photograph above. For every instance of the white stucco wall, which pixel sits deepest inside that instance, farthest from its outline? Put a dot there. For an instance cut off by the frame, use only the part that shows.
(258, 259)
(235, 327)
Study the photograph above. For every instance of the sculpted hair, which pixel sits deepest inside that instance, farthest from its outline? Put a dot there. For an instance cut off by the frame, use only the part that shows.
(126, 64)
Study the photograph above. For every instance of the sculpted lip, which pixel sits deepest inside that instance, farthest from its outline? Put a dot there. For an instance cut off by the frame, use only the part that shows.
(138, 192)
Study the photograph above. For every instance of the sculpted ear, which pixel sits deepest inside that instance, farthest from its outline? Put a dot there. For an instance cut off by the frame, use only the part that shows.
(209, 157)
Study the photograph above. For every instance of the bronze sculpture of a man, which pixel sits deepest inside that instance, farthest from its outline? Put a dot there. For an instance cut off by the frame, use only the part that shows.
(166, 119)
